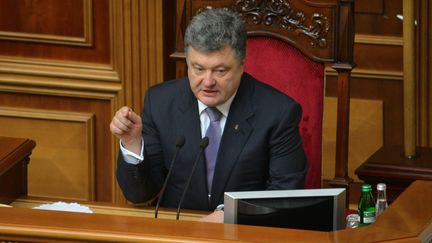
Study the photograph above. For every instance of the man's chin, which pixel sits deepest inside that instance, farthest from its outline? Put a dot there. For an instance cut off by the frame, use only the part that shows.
(209, 101)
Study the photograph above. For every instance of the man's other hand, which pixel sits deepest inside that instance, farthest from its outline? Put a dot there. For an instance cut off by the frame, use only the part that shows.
(215, 217)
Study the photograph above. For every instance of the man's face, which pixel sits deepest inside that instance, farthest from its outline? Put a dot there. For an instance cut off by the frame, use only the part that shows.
(214, 77)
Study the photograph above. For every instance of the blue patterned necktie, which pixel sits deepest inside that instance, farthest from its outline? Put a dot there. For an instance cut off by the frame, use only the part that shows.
(214, 134)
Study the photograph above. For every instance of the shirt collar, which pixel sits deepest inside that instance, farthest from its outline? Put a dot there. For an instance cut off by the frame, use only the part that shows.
(223, 108)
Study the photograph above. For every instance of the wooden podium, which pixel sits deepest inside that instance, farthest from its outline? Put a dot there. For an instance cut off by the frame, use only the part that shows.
(14, 157)
(408, 219)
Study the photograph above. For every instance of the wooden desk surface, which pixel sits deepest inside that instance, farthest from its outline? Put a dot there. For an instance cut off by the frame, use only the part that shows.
(17, 224)
(408, 219)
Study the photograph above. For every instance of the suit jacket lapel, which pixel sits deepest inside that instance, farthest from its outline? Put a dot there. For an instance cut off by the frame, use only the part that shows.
(236, 132)
(188, 124)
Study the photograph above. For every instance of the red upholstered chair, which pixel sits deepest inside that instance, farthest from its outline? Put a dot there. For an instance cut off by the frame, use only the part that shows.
(289, 43)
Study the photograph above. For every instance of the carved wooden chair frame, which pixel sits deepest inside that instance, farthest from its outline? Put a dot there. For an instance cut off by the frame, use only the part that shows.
(323, 30)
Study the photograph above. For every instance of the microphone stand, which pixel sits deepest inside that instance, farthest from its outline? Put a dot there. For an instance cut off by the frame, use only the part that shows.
(179, 144)
(203, 145)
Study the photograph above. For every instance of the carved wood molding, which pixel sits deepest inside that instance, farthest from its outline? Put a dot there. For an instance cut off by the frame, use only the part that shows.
(58, 68)
(58, 87)
(281, 13)
(378, 40)
(26, 75)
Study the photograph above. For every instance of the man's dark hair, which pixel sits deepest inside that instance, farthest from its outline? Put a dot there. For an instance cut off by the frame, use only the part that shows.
(213, 29)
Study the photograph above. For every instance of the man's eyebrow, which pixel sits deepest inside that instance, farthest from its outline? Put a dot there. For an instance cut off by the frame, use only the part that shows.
(222, 66)
(195, 64)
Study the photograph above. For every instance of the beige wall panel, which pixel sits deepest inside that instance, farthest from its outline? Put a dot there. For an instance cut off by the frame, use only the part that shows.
(62, 163)
(365, 136)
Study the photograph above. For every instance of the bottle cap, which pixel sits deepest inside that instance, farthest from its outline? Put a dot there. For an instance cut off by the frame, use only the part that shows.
(366, 188)
(381, 186)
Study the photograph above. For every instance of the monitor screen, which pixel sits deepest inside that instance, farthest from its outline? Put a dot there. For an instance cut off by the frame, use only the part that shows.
(310, 209)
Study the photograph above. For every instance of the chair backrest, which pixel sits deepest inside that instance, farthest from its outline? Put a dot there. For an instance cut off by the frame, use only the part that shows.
(303, 35)
(284, 67)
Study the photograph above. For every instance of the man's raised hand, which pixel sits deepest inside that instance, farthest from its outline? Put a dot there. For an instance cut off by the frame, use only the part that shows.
(127, 126)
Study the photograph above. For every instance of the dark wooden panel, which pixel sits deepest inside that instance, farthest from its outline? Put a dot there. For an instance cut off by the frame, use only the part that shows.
(428, 79)
(369, 6)
(169, 7)
(379, 57)
(374, 23)
(102, 137)
(424, 72)
(43, 17)
(99, 52)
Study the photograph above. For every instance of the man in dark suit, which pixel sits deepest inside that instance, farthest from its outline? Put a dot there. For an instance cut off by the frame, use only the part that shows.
(260, 146)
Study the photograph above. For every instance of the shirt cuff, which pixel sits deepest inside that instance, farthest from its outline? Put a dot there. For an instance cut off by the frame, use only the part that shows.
(130, 157)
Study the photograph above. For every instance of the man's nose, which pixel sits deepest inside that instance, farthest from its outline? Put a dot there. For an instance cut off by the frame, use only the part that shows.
(208, 78)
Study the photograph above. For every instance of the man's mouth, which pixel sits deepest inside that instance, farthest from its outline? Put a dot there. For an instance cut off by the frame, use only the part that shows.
(209, 92)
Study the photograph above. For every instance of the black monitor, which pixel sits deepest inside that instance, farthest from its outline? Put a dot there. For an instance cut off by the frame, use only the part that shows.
(310, 209)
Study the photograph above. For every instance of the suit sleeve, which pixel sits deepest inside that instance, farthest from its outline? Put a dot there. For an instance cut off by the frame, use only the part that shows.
(287, 165)
(141, 183)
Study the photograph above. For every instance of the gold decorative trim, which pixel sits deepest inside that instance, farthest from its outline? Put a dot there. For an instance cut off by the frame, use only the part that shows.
(86, 118)
(370, 74)
(36, 76)
(58, 87)
(61, 69)
(86, 40)
(117, 194)
(378, 40)
(117, 57)
(178, 55)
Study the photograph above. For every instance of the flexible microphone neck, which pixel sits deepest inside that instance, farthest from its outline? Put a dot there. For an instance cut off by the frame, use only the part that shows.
(203, 145)
(179, 144)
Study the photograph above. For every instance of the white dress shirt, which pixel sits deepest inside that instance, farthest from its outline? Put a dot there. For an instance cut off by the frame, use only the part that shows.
(135, 159)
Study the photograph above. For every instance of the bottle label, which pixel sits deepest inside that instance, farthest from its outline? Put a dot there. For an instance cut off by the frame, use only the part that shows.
(368, 217)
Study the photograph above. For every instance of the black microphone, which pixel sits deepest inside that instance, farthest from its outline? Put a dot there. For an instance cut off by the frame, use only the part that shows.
(179, 144)
(203, 145)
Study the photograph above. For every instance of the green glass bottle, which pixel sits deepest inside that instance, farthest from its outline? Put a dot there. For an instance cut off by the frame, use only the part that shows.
(366, 206)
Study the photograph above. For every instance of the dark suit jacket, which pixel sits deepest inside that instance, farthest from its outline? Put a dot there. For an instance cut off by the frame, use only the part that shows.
(260, 147)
